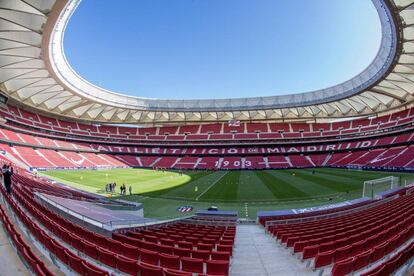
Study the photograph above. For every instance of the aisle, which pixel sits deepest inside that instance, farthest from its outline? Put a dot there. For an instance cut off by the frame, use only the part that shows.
(10, 263)
(257, 253)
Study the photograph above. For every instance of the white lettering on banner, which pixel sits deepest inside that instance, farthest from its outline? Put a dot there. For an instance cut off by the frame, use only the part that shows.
(174, 151)
(118, 148)
(232, 151)
(320, 208)
(292, 149)
(273, 150)
(137, 150)
(235, 150)
(365, 144)
(330, 147)
(101, 148)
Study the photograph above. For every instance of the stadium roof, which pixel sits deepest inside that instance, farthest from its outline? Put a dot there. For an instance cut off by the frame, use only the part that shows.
(35, 73)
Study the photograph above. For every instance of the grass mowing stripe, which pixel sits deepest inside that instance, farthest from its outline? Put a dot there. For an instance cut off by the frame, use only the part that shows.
(185, 190)
(310, 188)
(209, 187)
(251, 188)
(278, 186)
(225, 189)
(334, 183)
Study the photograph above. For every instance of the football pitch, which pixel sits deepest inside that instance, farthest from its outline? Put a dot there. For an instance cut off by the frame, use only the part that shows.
(244, 191)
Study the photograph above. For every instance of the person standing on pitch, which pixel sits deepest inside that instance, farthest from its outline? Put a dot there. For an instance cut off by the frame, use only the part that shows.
(7, 172)
(130, 190)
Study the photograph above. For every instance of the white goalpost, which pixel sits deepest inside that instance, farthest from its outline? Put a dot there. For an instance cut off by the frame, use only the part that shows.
(409, 182)
(372, 188)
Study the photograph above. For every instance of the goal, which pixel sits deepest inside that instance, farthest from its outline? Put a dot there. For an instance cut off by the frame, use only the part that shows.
(409, 182)
(372, 188)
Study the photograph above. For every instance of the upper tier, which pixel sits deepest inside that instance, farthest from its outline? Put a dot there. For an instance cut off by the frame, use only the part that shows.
(34, 72)
(18, 118)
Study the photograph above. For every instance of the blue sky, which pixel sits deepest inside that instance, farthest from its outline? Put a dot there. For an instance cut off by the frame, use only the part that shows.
(198, 49)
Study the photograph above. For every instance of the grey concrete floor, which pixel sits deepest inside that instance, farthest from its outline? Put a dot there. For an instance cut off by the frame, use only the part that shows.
(257, 253)
(10, 263)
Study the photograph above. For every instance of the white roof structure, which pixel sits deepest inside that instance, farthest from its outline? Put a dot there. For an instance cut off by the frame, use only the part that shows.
(35, 73)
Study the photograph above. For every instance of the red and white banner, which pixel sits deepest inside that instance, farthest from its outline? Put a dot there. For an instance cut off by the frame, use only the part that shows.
(236, 150)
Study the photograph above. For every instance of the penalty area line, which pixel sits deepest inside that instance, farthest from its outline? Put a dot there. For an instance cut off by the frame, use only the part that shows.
(214, 183)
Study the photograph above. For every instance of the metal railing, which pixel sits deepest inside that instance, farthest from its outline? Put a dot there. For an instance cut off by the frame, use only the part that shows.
(329, 215)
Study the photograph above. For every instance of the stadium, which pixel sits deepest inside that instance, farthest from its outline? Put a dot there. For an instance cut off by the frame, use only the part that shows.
(103, 183)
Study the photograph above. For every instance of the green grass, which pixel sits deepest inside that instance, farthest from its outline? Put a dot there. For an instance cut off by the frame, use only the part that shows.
(163, 192)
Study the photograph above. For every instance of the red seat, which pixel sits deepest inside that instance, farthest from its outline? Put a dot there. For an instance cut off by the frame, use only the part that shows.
(127, 265)
(172, 272)
(150, 270)
(76, 242)
(119, 237)
(310, 251)
(114, 246)
(342, 253)
(358, 247)
(107, 257)
(379, 252)
(147, 245)
(168, 242)
(41, 270)
(343, 267)
(90, 249)
(227, 242)
(376, 271)
(225, 248)
(217, 267)
(327, 246)
(362, 260)
(167, 249)
(149, 257)
(75, 263)
(192, 265)
(131, 251)
(182, 252)
(29, 257)
(324, 258)
(224, 256)
(203, 246)
(169, 261)
(92, 270)
(200, 254)
(60, 252)
(184, 244)
(390, 266)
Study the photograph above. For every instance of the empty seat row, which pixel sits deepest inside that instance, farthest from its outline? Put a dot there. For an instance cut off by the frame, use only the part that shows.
(106, 250)
(71, 260)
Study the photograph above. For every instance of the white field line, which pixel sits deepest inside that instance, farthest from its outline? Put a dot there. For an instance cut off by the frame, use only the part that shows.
(214, 183)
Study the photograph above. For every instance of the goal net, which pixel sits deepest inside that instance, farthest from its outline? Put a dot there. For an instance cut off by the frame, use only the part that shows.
(409, 182)
(372, 188)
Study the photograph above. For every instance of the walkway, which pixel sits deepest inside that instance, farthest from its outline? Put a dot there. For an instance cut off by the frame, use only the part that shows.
(10, 263)
(257, 253)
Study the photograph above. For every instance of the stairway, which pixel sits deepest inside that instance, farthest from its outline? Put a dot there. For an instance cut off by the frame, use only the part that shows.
(257, 253)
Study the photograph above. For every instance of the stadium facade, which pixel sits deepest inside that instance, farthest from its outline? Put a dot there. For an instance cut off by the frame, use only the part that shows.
(52, 119)
(35, 73)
